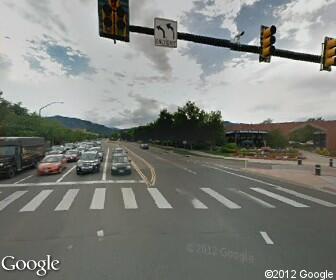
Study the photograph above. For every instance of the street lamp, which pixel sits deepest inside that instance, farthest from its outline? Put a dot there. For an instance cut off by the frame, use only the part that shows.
(236, 39)
(51, 103)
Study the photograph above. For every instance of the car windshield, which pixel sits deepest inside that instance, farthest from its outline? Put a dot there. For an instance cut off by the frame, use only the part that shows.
(71, 152)
(51, 159)
(7, 150)
(88, 156)
(119, 159)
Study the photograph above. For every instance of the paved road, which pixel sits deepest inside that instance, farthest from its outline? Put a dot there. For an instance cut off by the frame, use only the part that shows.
(175, 217)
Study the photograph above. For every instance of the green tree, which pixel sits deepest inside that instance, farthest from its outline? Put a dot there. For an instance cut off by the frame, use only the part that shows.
(276, 139)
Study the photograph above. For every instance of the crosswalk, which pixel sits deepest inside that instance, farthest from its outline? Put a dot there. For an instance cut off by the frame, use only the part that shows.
(204, 198)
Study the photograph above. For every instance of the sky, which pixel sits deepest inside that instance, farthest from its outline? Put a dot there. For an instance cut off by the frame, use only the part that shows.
(50, 51)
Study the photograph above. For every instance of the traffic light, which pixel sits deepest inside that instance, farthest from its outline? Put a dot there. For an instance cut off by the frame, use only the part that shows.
(266, 43)
(114, 19)
(329, 53)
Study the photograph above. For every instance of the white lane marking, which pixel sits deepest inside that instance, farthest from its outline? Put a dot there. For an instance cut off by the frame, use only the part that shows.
(258, 200)
(307, 197)
(222, 199)
(8, 200)
(196, 203)
(266, 237)
(177, 165)
(98, 200)
(18, 182)
(67, 200)
(100, 235)
(241, 176)
(105, 165)
(280, 198)
(36, 201)
(72, 183)
(65, 174)
(129, 198)
(159, 199)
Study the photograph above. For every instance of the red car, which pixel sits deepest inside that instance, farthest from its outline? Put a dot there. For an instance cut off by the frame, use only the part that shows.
(52, 164)
(72, 155)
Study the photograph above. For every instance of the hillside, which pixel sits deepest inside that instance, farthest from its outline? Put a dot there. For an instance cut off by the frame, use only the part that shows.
(75, 123)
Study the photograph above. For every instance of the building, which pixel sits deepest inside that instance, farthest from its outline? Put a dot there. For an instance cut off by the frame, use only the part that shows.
(324, 136)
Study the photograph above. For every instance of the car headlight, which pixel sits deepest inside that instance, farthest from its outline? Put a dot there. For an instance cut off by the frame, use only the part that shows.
(79, 164)
(1, 164)
(114, 167)
(128, 167)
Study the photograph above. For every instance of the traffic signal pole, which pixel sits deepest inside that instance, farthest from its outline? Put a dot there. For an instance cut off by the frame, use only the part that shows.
(224, 43)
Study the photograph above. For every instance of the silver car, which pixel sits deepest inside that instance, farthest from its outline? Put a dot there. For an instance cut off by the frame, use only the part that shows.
(120, 164)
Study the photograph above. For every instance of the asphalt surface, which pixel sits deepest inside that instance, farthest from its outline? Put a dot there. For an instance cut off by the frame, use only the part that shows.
(174, 217)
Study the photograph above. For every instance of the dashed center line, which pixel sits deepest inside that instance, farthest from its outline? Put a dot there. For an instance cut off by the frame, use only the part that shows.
(266, 237)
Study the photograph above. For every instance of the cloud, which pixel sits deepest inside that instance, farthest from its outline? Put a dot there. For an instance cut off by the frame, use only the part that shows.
(35, 64)
(40, 13)
(145, 13)
(119, 75)
(5, 65)
(71, 61)
(147, 110)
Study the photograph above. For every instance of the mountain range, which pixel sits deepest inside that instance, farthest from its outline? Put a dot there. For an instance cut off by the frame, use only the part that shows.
(75, 123)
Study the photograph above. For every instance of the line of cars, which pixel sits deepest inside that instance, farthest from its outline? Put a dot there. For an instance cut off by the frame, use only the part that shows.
(88, 156)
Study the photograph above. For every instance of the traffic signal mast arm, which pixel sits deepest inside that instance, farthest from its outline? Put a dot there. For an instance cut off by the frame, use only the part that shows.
(224, 43)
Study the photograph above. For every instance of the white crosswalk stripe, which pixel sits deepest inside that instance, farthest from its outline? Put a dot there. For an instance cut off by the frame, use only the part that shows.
(36, 201)
(67, 200)
(222, 199)
(98, 200)
(11, 198)
(280, 198)
(197, 204)
(307, 197)
(159, 199)
(129, 198)
(257, 200)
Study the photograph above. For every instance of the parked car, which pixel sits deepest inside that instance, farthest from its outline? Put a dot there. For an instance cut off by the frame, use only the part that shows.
(121, 164)
(52, 164)
(72, 155)
(99, 151)
(18, 153)
(144, 146)
(89, 162)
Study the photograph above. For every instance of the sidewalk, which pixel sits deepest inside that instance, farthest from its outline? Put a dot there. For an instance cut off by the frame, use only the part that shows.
(304, 177)
(288, 171)
(311, 159)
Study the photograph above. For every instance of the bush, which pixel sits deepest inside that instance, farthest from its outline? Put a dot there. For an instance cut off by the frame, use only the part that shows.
(229, 148)
(323, 152)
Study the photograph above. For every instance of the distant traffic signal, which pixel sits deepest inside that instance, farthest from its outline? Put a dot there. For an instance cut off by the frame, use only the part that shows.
(266, 43)
(114, 19)
(329, 54)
